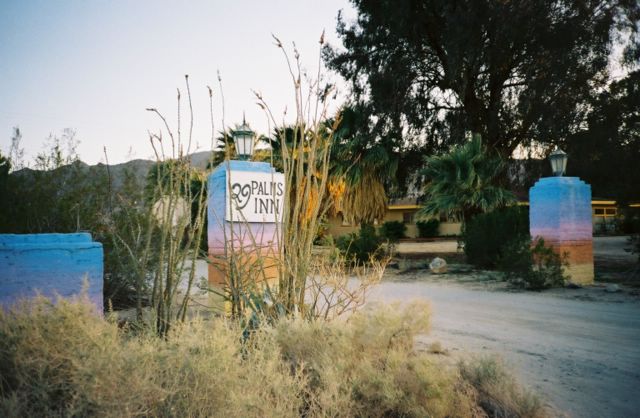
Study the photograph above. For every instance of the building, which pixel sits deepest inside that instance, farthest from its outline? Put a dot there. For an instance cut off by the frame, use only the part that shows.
(606, 215)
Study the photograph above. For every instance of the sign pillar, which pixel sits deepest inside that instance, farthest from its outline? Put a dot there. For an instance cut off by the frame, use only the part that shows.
(560, 213)
(244, 216)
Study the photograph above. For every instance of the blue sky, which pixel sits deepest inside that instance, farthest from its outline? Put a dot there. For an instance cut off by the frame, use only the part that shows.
(95, 66)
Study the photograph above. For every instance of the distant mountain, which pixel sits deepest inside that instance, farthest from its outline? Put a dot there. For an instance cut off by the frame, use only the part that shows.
(138, 167)
(200, 159)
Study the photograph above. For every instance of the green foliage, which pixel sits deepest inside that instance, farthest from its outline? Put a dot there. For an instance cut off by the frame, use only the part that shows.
(630, 222)
(532, 266)
(428, 228)
(5, 168)
(500, 239)
(64, 360)
(464, 182)
(127, 273)
(61, 195)
(361, 246)
(611, 133)
(431, 71)
(364, 167)
(393, 230)
(487, 235)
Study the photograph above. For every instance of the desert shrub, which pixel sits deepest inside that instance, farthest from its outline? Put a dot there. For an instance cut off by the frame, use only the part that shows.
(487, 235)
(428, 228)
(499, 394)
(393, 230)
(64, 360)
(630, 223)
(607, 226)
(634, 240)
(532, 266)
(360, 246)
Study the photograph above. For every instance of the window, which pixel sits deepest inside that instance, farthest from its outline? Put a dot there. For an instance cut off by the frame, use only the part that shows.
(407, 217)
(605, 212)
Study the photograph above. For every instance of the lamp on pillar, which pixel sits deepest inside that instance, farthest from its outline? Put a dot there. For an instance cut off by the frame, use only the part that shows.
(244, 220)
(243, 138)
(560, 213)
(558, 160)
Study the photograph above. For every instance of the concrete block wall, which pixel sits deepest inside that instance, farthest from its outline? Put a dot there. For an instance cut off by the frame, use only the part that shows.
(52, 264)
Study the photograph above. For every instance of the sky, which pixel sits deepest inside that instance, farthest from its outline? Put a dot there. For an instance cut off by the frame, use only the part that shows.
(95, 66)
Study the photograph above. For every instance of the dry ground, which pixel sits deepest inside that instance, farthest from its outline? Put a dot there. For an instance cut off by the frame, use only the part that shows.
(578, 348)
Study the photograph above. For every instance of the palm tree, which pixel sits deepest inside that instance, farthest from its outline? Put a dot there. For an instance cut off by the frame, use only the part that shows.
(362, 166)
(464, 182)
(289, 136)
(359, 168)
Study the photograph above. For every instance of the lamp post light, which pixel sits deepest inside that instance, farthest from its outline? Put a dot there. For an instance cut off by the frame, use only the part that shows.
(560, 213)
(243, 138)
(558, 160)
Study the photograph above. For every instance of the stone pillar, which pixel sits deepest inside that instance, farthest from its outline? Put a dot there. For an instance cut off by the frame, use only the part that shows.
(51, 264)
(244, 219)
(560, 212)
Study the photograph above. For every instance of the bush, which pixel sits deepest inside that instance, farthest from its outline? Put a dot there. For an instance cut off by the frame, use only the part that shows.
(428, 228)
(393, 230)
(64, 360)
(361, 246)
(634, 241)
(498, 393)
(630, 223)
(533, 267)
(487, 235)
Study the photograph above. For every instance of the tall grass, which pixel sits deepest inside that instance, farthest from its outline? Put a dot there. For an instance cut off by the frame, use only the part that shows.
(63, 360)
(160, 237)
(305, 149)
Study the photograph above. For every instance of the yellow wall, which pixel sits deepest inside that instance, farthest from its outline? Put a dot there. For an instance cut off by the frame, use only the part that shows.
(450, 228)
(336, 227)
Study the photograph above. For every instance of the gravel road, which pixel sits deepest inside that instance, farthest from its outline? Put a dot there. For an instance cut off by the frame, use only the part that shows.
(578, 349)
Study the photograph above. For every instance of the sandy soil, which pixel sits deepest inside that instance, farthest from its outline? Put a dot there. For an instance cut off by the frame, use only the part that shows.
(578, 348)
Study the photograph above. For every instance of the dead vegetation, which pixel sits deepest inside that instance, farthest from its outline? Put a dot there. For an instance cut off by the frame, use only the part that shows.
(63, 360)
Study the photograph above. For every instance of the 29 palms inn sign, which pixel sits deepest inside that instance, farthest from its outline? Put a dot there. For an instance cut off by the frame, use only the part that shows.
(254, 196)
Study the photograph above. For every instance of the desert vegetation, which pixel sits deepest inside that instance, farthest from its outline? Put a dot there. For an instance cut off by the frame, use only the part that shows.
(64, 360)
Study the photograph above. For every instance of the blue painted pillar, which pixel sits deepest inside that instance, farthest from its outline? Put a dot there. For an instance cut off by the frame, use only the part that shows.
(560, 212)
(51, 264)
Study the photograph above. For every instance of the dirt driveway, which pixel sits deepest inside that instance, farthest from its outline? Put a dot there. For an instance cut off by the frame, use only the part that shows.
(578, 348)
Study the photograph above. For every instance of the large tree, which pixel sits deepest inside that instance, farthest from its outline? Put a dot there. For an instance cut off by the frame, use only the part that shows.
(606, 153)
(429, 72)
